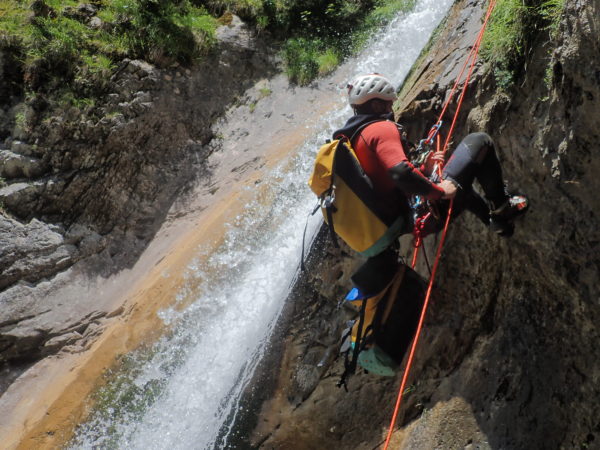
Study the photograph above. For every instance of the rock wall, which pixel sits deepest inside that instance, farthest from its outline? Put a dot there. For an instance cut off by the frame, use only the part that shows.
(94, 185)
(509, 355)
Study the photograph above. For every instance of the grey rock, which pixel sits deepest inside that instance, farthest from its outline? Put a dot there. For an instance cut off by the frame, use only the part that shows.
(142, 97)
(31, 251)
(121, 174)
(95, 22)
(113, 98)
(87, 8)
(56, 343)
(20, 198)
(22, 148)
(141, 68)
(76, 234)
(87, 241)
(13, 165)
(236, 33)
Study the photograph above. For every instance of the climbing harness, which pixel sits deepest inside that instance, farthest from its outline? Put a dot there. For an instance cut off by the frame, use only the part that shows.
(420, 222)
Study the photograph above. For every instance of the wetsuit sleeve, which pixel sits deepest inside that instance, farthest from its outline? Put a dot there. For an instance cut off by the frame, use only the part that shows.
(384, 139)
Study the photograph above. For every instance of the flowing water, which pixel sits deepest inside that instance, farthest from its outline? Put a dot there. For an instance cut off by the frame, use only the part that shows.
(184, 391)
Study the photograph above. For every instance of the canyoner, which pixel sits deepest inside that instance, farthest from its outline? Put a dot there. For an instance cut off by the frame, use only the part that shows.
(374, 186)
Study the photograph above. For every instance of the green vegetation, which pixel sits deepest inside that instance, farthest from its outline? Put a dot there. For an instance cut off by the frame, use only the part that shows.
(60, 48)
(316, 34)
(512, 28)
(300, 56)
(552, 12)
(330, 31)
(504, 38)
(66, 50)
(265, 92)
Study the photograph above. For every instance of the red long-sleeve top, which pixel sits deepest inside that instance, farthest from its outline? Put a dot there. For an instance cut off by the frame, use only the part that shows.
(379, 149)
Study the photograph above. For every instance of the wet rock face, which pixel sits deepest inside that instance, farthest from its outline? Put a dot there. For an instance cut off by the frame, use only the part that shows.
(100, 181)
(307, 409)
(509, 356)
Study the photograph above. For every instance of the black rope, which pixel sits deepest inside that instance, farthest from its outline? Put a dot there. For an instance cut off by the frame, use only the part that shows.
(426, 258)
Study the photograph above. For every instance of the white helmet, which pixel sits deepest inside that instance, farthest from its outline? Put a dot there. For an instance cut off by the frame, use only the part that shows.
(368, 87)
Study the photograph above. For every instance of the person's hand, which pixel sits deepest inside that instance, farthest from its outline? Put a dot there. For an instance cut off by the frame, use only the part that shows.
(449, 189)
(432, 159)
(437, 157)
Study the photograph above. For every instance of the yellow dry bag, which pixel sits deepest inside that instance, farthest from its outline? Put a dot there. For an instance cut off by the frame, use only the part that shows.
(349, 204)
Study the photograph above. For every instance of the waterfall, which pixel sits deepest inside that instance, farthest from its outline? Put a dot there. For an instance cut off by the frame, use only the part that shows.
(185, 389)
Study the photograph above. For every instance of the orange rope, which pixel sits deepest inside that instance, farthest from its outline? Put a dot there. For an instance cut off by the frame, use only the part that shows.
(419, 326)
(472, 56)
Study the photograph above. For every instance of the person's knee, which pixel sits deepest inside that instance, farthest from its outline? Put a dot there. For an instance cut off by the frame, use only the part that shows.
(479, 144)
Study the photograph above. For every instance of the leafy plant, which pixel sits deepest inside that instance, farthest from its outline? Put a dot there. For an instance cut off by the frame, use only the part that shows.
(58, 48)
(21, 120)
(503, 40)
(300, 56)
(512, 28)
(385, 11)
(326, 32)
(264, 92)
(552, 12)
(328, 61)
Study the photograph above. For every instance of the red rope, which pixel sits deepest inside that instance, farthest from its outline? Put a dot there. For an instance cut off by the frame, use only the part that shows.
(419, 326)
(474, 53)
(418, 237)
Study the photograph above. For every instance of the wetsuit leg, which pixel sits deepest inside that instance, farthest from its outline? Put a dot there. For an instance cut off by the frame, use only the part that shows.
(475, 158)
(478, 206)
(465, 200)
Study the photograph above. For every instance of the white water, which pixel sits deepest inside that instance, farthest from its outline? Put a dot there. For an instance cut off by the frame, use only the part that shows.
(184, 392)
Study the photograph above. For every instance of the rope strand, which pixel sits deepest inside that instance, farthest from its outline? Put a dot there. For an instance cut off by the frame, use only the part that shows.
(472, 58)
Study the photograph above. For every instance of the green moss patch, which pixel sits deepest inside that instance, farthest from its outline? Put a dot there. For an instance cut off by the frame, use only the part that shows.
(512, 29)
(75, 46)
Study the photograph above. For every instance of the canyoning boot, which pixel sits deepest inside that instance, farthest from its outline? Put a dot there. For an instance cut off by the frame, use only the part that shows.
(502, 218)
(374, 360)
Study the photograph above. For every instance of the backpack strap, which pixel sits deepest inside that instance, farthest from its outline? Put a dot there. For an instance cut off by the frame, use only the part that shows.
(329, 210)
(362, 127)
(328, 200)
(383, 311)
(407, 146)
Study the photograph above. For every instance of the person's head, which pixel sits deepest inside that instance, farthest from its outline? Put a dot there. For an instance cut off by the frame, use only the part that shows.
(371, 94)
